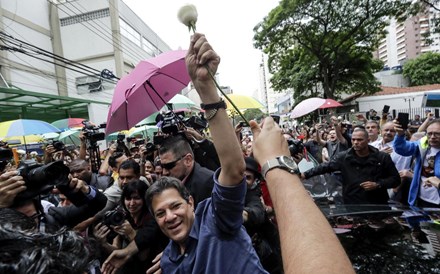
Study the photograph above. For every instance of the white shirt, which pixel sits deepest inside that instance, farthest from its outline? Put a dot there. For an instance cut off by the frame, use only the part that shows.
(429, 194)
(401, 162)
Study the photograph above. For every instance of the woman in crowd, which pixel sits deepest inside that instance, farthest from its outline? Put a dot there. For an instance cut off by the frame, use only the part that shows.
(136, 215)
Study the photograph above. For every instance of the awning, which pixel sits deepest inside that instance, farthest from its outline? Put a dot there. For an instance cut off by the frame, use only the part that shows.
(18, 103)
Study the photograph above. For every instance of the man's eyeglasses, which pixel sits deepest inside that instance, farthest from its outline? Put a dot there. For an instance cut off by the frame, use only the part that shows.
(172, 164)
(433, 134)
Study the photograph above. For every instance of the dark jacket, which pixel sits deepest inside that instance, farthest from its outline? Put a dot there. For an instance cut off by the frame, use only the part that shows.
(72, 215)
(376, 167)
(200, 183)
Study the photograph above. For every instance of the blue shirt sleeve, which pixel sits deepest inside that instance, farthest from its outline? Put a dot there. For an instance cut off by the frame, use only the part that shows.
(228, 205)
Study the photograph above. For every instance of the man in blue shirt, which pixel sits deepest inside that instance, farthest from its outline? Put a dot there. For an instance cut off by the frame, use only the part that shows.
(211, 239)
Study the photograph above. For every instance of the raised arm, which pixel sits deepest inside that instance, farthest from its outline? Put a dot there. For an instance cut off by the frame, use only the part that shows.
(199, 59)
(311, 236)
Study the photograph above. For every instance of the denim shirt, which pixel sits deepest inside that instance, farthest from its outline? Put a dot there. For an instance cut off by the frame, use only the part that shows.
(217, 242)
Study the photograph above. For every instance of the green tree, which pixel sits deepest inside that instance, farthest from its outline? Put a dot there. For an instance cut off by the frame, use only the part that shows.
(253, 114)
(423, 70)
(325, 45)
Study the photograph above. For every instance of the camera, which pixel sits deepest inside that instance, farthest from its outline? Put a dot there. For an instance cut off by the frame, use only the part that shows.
(295, 146)
(58, 145)
(114, 217)
(196, 123)
(5, 156)
(139, 142)
(91, 132)
(42, 178)
(171, 123)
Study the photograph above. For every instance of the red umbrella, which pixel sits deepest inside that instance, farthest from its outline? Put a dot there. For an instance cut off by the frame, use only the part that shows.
(330, 103)
(147, 89)
(67, 123)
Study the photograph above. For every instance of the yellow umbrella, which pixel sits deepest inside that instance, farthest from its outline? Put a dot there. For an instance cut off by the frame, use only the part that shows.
(243, 102)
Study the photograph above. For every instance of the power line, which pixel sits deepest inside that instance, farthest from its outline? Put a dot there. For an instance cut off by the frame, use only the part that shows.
(22, 44)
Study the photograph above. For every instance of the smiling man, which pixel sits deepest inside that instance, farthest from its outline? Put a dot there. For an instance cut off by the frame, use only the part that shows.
(210, 238)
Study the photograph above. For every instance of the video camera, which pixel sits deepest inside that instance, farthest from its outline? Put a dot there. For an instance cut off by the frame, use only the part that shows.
(5, 156)
(40, 178)
(295, 146)
(91, 131)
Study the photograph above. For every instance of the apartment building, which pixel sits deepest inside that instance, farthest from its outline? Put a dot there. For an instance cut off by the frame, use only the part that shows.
(407, 40)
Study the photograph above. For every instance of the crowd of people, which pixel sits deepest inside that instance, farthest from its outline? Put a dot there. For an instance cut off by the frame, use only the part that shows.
(232, 202)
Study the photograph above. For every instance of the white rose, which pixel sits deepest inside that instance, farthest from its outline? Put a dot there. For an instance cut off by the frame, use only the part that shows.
(188, 16)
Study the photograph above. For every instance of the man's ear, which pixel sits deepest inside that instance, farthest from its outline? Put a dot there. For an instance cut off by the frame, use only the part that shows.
(191, 201)
(188, 159)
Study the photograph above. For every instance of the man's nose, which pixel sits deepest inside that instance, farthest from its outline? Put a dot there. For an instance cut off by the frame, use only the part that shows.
(169, 216)
(165, 172)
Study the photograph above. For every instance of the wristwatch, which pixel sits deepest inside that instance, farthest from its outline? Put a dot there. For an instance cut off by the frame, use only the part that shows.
(211, 109)
(283, 162)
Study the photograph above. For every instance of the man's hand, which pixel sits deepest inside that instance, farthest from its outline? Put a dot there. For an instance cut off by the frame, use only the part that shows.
(388, 150)
(432, 181)
(406, 173)
(10, 185)
(112, 149)
(245, 216)
(155, 269)
(398, 128)
(268, 141)
(368, 185)
(115, 261)
(79, 185)
(100, 231)
(125, 229)
(199, 59)
(82, 137)
(191, 133)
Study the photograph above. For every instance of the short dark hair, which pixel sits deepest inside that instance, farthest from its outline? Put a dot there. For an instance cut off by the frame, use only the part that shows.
(131, 164)
(163, 184)
(363, 130)
(177, 145)
(78, 164)
(139, 187)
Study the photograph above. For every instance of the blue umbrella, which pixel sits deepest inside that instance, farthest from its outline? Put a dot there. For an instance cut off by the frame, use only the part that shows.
(23, 127)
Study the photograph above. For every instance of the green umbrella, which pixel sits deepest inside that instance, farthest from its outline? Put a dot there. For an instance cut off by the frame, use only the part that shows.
(143, 130)
(70, 136)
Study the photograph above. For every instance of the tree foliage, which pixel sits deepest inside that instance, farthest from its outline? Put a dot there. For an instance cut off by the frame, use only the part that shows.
(324, 47)
(253, 114)
(423, 70)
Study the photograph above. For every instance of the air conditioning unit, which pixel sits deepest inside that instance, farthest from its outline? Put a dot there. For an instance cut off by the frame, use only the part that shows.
(88, 84)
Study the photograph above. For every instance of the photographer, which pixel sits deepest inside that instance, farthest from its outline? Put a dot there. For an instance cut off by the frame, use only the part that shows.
(82, 170)
(124, 221)
(89, 200)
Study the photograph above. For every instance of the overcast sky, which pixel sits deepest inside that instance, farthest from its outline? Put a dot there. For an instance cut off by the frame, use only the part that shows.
(228, 26)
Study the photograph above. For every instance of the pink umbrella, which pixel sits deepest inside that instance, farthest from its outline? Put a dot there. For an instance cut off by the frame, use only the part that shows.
(150, 85)
(330, 103)
(306, 107)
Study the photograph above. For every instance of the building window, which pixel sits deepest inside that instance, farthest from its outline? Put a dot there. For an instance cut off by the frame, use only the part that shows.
(129, 32)
(93, 15)
(151, 49)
